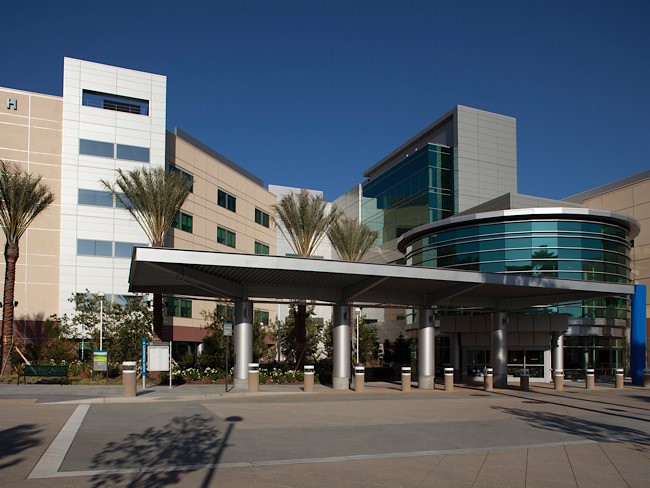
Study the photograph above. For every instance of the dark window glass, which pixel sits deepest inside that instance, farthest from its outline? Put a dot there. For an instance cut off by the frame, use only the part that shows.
(133, 153)
(179, 308)
(95, 197)
(261, 217)
(117, 103)
(86, 247)
(261, 248)
(125, 249)
(97, 148)
(183, 222)
(226, 200)
(226, 237)
(184, 174)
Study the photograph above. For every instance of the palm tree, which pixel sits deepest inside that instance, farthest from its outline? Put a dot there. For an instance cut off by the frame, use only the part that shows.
(153, 197)
(351, 239)
(22, 198)
(304, 222)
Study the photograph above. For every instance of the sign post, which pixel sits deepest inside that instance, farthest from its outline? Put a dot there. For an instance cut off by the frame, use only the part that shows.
(227, 332)
(100, 362)
(144, 363)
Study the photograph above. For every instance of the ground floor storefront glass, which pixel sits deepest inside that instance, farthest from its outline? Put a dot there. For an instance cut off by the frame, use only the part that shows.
(603, 354)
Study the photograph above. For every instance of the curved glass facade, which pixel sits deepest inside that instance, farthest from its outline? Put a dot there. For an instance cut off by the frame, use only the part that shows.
(557, 248)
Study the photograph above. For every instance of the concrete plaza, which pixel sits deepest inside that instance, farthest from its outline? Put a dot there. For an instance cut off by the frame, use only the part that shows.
(197, 435)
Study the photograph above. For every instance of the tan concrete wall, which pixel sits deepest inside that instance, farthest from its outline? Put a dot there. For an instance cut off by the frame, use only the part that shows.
(210, 174)
(30, 135)
(632, 200)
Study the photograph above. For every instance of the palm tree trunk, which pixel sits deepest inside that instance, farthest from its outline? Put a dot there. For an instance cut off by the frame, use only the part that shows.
(301, 333)
(158, 318)
(11, 256)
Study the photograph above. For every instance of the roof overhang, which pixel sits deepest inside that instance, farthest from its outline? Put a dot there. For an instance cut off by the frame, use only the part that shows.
(219, 275)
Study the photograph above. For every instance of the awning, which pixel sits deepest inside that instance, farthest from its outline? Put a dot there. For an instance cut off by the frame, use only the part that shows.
(232, 276)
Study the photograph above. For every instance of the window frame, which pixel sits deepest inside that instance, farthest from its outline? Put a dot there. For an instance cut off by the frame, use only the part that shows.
(229, 201)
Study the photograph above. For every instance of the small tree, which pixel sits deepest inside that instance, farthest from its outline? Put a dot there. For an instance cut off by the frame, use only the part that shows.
(22, 198)
(351, 239)
(153, 197)
(288, 338)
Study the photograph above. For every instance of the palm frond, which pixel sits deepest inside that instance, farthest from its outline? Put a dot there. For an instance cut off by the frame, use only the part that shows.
(351, 239)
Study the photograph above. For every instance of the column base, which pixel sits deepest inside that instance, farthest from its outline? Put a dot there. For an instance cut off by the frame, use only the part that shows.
(341, 382)
(425, 382)
(241, 383)
(500, 380)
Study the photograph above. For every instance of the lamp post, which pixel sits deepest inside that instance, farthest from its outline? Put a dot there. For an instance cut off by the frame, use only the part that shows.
(101, 320)
(357, 312)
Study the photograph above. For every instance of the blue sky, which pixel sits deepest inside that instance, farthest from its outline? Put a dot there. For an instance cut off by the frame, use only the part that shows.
(312, 93)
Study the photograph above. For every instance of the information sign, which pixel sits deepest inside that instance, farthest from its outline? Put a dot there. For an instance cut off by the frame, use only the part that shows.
(100, 361)
(227, 329)
(158, 356)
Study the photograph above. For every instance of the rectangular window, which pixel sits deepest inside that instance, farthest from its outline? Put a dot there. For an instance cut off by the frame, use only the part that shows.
(86, 247)
(226, 237)
(261, 217)
(179, 308)
(261, 248)
(226, 200)
(133, 153)
(117, 103)
(125, 249)
(225, 310)
(118, 203)
(95, 197)
(184, 174)
(97, 148)
(183, 221)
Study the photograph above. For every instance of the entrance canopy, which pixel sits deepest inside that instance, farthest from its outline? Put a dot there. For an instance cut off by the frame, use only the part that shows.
(243, 276)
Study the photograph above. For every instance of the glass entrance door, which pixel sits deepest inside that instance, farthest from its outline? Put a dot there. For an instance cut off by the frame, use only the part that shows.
(530, 359)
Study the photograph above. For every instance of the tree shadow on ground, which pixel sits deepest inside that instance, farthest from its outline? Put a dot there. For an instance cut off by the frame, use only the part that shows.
(16, 440)
(159, 456)
(585, 428)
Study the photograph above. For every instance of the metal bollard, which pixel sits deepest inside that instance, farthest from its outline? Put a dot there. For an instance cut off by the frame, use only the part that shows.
(620, 379)
(558, 380)
(646, 378)
(488, 379)
(524, 380)
(253, 377)
(449, 379)
(591, 380)
(128, 378)
(406, 378)
(359, 378)
(308, 382)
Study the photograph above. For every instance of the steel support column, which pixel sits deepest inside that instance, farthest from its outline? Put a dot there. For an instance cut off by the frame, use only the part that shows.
(499, 348)
(557, 351)
(426, 349)
(243, 342)
(341, 346)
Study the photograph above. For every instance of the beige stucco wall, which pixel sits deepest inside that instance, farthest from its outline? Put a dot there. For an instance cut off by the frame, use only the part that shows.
(30, 134)
(210, 174)
(632, 200)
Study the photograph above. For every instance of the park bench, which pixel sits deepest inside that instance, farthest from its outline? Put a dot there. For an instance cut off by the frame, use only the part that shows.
(44, 371)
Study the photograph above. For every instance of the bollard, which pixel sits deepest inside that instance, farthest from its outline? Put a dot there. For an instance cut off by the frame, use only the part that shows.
(620, 379)
(488, 379)
(128, 378)
(591, 380)
(359, 378)
(646, 378)
(524, 380)
(406, 378)
(449, 379)
(558, 380)
(308, 384)
(253, 377)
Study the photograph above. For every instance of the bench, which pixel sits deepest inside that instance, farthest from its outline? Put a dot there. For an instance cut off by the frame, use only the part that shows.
(45, 371)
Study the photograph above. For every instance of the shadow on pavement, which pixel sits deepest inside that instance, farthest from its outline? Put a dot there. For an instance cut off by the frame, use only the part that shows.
(165, 453)
(15, 440)
(586, 428)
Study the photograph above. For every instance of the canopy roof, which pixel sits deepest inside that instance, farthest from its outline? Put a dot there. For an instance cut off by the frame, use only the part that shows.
(245, 276)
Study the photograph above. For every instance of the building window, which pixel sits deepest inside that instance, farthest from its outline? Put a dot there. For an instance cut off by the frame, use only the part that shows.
(261, 317)
(95, 197)
(226, 200)
(184, 174)
(225, 310)
(116, 103)
(226, 237)
(261, 217)
(125, 249)
(177, 307)
(133, 153)
(261, 248)
(86, 247)
(97, 148)
(183, 221)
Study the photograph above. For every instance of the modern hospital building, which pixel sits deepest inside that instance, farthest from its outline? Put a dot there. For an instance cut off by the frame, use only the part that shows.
(445, 199)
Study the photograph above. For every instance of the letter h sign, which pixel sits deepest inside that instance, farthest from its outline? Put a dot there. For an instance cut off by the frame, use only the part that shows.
(12, 103)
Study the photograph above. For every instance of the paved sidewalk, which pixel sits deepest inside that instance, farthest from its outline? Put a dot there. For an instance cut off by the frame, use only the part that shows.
(192, 435)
